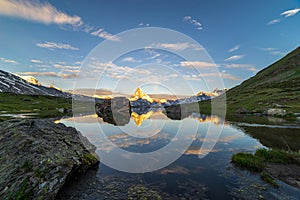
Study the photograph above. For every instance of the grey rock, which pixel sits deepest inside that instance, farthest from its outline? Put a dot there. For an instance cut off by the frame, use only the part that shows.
(35, 160)
(275, 112)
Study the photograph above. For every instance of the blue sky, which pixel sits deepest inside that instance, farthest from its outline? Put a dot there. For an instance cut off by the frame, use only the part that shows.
(51, 39)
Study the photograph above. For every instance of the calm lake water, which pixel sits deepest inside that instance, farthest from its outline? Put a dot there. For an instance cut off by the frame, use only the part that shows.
(197, 174)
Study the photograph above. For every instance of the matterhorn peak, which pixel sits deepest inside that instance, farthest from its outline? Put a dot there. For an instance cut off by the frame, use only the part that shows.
(139, 94)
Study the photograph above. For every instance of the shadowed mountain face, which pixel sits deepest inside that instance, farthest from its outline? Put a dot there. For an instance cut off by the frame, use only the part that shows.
(13, 84)
(277, 84)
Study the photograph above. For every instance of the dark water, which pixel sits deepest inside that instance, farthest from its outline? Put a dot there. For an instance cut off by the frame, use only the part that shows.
(203, 171)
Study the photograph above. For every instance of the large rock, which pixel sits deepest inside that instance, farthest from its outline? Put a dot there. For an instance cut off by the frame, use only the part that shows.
(275, 112)
(115, 111)
(38, 156)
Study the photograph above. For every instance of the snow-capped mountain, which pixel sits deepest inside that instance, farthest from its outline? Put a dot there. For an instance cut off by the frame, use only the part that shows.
(15, 84)
(201, 96)
(139, 94)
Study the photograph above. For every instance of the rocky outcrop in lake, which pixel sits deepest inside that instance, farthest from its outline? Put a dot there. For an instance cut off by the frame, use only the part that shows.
(38, 156)
(114, 111)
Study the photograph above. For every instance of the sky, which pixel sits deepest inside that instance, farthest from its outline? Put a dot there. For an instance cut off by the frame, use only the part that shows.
(61, 42)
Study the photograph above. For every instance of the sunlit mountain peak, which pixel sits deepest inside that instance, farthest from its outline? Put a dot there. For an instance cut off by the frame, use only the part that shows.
(139, 94)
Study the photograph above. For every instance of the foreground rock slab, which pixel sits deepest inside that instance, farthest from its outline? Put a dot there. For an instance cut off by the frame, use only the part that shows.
(38, 156)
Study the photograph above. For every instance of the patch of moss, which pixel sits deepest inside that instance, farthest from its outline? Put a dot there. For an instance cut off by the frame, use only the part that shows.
(257, 162)
(141, 192)
(89, 159)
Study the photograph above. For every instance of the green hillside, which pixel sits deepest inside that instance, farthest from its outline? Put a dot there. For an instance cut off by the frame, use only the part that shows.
(275, 86)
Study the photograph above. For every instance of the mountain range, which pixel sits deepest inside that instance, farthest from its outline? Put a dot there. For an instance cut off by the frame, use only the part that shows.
(11, 83)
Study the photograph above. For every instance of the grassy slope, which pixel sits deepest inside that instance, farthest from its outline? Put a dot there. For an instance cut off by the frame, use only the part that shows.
(44, 106)
(279, 83)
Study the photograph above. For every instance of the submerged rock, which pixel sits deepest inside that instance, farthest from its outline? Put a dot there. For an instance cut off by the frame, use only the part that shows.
(37, 157)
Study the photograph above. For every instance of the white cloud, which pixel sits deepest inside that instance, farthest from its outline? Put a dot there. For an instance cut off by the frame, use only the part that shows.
(9, 61)
(39, 12)
(176, 46)
(50, 74)
(235, 48)
(36, 61)
(230, 77)
(130, 59)
(274, 51)
(235, 57)
(197, 64)
(274, 21)
(241, 66)
(291, 12)
(66, 67)
(143, 24)
(53, 45)
(269, 49)
(211, 74)
(105, 35)
(194, 22)
(277, 53)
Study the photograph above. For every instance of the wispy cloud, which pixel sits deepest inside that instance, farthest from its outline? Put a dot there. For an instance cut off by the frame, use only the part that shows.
(130, 59)
(105, 35)
(176, 46)
(36, 61)
(194, 22)
(197, 64)
(274, 21)
(291, 12)
(48, 14)
(269, 49)
(50, 74)
(8, 61)
(241, 66)
(54, 45)
(39, 12)
(235, 57)
(286, 14)
(64, 67)
(223, 75)
(274, 51)
(143, 24)
(277, 53)
(235, 48)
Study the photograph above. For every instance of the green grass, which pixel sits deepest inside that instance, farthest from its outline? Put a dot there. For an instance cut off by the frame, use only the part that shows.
(248, 161)
(276, 156)
(257, 162)
(43, 106)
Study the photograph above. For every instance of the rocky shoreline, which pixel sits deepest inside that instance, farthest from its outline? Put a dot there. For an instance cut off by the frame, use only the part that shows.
(38, 156)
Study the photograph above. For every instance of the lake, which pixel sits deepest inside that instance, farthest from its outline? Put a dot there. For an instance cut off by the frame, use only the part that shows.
(197, 166)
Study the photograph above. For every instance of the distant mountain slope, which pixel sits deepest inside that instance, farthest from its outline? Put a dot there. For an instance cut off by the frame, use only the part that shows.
(13, 84)
(277, 85)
